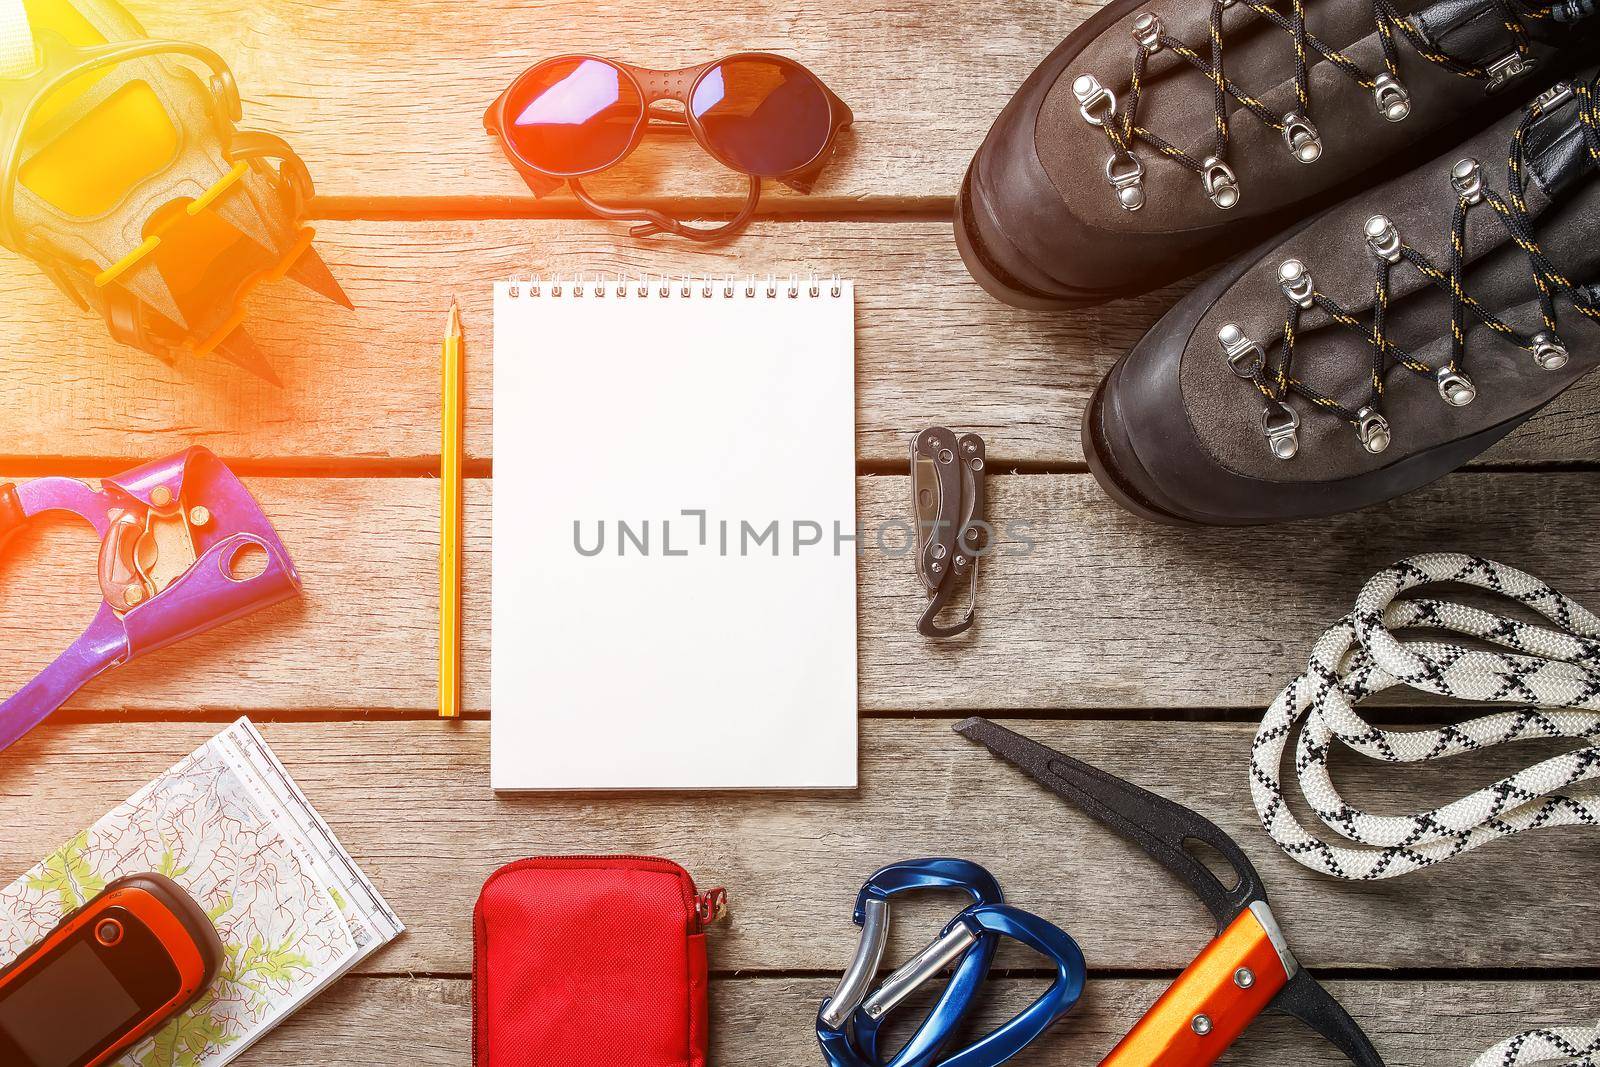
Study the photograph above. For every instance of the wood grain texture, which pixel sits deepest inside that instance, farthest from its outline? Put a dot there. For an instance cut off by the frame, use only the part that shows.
(362, 386)
(388, 106)
(1105, 611)
(411, 802)
(1181, 627)
(377, 1022)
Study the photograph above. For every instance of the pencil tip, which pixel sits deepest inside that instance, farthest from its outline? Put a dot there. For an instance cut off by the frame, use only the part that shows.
(455, 319)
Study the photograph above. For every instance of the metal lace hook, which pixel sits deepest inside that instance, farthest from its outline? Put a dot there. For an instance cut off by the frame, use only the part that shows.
(1096, 103)
(1467, 179)
(1372, 430)
(1302, 137)
(1281, 425)
(1221, 183)
(1126, 175)
(1549, 353)
(1391, 98)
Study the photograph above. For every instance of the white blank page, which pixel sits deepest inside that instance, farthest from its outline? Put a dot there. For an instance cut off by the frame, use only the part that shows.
(683, 654)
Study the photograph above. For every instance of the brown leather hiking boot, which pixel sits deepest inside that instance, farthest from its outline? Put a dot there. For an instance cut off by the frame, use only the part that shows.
(1163, 137)
(1383, 344)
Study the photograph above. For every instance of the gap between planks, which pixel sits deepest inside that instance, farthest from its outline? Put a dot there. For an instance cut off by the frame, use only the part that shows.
(1377, 714)
(936, 208)
(21, 467)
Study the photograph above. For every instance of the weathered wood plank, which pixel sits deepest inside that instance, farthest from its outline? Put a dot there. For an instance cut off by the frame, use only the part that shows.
(1106, 611)
(411, 802)
(363, 385)
(423, 1021)
(389, 108)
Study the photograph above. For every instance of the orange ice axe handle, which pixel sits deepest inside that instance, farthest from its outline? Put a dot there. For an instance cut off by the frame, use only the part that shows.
(1211, 1003)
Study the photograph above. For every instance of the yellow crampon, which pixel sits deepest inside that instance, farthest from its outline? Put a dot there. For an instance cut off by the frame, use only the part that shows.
(123, 175)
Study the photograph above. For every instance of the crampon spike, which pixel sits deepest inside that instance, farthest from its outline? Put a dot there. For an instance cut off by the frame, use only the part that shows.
(238, 210)
(310, 271)
(150, 288)
(239, 349)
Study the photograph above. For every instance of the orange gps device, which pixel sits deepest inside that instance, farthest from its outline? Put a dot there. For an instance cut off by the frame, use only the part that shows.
(112, 972)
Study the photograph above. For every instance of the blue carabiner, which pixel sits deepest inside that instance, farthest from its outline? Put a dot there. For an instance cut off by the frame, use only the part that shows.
(989, 920)
(1071, 972)
(849, 1035)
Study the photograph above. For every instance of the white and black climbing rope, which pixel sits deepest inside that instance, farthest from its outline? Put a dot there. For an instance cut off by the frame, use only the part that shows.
(1570, 1045)
(1552, 675)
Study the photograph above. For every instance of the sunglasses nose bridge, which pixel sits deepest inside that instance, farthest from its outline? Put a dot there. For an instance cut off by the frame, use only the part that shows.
(659, 85)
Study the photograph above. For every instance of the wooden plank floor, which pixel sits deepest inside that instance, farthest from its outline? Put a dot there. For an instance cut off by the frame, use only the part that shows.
(930, 344)
(1148, 650)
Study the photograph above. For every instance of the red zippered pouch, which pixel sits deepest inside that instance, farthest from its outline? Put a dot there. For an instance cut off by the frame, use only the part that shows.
(591, 961)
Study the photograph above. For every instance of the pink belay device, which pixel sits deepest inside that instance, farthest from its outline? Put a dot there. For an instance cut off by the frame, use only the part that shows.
(172, 535)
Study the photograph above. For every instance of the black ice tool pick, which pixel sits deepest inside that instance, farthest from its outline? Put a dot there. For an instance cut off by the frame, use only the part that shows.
(1246, 970)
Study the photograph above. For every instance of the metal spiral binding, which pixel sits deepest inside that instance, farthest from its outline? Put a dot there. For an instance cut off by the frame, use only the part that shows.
(706, 287)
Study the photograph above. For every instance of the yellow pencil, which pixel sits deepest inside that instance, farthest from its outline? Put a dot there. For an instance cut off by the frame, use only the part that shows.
(450, 461)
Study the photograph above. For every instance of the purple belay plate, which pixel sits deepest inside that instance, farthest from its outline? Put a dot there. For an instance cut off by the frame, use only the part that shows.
(177, 539)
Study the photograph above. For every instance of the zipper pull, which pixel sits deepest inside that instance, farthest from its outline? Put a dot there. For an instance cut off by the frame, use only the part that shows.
(711, 906)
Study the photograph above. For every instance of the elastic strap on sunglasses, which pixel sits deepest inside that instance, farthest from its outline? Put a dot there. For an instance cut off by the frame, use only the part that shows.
(654, 222)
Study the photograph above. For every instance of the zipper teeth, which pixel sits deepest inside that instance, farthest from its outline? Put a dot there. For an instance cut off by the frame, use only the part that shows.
(477, 986)
(530, 862)
(677, 868)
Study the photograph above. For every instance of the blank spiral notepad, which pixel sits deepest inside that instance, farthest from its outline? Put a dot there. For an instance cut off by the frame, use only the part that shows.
(674, 535)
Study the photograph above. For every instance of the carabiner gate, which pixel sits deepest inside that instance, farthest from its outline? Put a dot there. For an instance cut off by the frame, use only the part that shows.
(847, 1033)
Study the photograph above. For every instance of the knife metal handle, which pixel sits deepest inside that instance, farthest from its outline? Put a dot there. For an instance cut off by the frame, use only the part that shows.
(1213, 1001)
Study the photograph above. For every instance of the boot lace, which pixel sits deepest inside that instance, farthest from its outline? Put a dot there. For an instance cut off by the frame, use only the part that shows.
(1125, 172)
(1274, 377)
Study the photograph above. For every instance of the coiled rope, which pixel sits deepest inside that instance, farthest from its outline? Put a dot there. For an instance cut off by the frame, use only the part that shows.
(1551, 674)
(1574, 1045)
